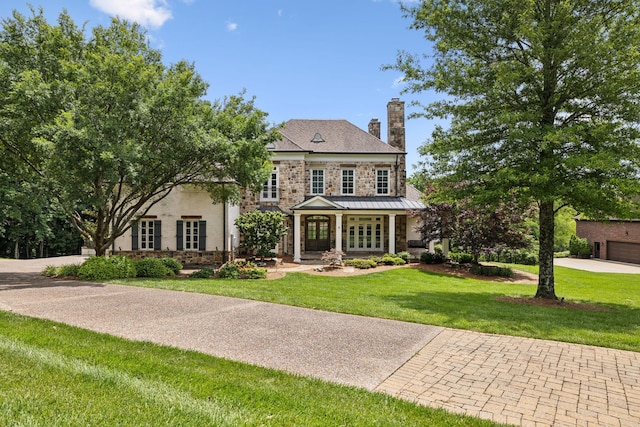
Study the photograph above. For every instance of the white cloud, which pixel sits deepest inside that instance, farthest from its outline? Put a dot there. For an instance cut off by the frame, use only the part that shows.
(398, 82)
(149, 13)
(232, 26)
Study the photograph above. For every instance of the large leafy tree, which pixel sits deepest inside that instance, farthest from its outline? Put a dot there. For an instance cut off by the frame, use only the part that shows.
(543, 99)
(113, 129)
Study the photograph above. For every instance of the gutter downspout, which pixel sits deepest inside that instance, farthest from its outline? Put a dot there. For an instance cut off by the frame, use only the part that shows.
(396, 175)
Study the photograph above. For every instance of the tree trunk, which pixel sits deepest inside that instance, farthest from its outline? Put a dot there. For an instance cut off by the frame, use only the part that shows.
(546, 286)
(16, 250)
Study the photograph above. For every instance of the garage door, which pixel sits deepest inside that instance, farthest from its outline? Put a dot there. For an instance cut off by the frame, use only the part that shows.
(624, 252)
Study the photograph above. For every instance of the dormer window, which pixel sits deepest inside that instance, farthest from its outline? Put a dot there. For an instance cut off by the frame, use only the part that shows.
(317, 138)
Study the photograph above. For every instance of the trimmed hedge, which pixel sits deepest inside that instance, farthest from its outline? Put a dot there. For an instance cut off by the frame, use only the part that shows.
(151, 267)
(431, 258)
(172, 264)
(361, 263)
(103, 268)
(491, 270)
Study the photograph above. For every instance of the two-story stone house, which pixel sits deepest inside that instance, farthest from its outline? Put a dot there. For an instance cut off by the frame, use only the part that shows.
(341, 187)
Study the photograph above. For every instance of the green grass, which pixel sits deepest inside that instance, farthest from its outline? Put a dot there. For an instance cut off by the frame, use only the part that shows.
(57, 375)
(416, 296)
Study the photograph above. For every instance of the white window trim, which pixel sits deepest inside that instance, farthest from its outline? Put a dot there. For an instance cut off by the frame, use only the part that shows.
(311, 181)
(372, 221)
(268, 187)
(149, 243)
(388, 171)
(195, 237)
(342, 181)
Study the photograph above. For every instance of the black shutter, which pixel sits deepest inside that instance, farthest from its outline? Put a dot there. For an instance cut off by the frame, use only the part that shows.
(157, 235)
(134, 236)
(179, 235)
(202, 236)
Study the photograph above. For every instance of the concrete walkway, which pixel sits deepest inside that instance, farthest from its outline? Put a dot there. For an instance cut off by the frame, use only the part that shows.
(506, 379)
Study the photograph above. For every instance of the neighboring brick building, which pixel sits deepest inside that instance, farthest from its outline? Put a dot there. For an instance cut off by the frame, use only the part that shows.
(614, 240)
(341, 187)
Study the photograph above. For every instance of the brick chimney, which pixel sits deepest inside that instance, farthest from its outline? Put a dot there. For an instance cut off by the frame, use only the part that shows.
(396, 138)
(374, 128)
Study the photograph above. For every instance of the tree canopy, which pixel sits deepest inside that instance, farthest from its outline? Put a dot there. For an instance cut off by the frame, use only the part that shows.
(543, 100)
(112, 129)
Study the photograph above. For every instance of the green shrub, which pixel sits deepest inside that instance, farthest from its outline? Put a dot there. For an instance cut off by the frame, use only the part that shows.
(68, 270)
(361, 263)
(204, 273)
(461, 257)
(50, 271)
(173, 264)
(405, 256)
(562, 254)
(579, 247)
(125, 267)
(103, 268)
(390, 259)
(517, 256)
(491, 270)
(151, 267)
(431, 258)
(229, 270)
(253, 273)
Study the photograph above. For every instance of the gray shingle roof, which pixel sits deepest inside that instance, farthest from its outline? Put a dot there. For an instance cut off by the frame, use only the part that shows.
(339, 136)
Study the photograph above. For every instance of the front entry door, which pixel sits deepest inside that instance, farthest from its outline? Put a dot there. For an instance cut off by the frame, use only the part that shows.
(317, 233)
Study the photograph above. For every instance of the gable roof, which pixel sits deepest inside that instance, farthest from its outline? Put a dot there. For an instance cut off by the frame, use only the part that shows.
(333, 136)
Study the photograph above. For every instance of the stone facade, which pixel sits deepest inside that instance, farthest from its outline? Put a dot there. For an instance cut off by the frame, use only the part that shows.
(295, 160)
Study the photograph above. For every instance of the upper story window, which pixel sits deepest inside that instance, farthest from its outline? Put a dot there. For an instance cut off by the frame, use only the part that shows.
(382, 181)
(317, 181)
(348, 181)
(270, 189)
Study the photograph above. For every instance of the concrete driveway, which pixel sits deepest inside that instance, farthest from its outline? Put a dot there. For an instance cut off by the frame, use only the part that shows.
(598, 266)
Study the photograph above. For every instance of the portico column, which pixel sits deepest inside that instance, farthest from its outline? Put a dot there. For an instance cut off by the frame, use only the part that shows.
(392, 233)
(296, 237)
(339, 231)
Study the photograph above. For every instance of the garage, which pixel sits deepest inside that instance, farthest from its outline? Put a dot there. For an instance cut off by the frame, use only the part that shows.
(623, 252)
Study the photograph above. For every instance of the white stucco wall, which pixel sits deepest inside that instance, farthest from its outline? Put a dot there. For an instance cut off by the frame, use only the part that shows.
(188, 201)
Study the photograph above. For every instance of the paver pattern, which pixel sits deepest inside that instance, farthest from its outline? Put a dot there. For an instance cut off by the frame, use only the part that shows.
(522, 381)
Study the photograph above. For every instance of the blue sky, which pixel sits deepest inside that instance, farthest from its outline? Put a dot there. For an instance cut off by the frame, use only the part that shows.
(300, 58)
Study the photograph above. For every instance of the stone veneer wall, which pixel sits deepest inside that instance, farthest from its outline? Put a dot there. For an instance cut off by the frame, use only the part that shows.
(185, 257)
(365, 178)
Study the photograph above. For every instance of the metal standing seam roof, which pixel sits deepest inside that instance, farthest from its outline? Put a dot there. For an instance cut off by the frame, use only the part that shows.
(368, 203)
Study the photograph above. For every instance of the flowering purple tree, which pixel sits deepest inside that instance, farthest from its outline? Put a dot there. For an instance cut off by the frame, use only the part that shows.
(476, 229)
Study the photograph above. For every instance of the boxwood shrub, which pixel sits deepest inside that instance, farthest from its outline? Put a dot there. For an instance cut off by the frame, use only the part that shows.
(151, 267)
(106, 268)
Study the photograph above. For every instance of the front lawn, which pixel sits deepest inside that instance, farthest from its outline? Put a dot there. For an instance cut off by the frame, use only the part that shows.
(56, 375)
(417, 296)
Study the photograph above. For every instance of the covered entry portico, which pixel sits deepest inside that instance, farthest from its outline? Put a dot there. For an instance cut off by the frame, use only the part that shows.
(352, 224)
